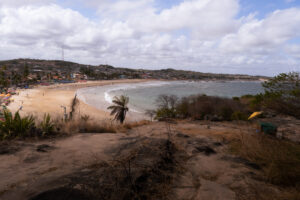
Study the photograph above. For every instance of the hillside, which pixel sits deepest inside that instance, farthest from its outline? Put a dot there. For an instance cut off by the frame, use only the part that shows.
(32, 70)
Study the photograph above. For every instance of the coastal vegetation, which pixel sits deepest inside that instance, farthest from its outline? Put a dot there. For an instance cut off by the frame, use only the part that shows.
(200, 107)
(281, 96)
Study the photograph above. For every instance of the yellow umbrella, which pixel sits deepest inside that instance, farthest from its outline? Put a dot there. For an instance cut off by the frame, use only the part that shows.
(2, 95)
(255, 114)
(8, 95)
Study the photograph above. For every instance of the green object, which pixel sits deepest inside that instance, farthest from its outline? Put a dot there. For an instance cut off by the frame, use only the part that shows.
(268, 128)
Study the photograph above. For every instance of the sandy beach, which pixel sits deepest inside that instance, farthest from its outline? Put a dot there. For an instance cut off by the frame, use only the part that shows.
(50, 99)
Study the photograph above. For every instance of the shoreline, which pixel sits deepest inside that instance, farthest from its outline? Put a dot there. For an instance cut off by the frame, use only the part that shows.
(50, 99)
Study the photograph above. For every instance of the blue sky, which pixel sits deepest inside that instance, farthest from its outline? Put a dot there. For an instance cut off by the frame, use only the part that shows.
(222, 36)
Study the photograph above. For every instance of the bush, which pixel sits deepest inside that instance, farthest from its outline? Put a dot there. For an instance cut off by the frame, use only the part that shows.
(166, 107)
(282, 94)
(226, 113)
(236, 98)
(47, 125)
(200, 107)
(237, 115)
(16, 126)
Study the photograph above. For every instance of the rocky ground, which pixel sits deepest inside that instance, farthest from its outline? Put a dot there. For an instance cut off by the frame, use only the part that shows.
(175, 160)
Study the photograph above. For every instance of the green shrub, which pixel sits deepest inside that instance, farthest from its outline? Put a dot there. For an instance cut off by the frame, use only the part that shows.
(226, 113)
(236, 98)
(164, 113)
(16, 126)
(198, 107)
(47, 125)
(237, 115)
(282, 94)
(247, 96)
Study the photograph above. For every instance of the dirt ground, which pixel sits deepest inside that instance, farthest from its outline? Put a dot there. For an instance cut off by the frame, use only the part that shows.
(180, 160)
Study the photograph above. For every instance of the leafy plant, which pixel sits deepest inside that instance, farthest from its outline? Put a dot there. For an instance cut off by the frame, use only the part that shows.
(16, 126)
(47, 125)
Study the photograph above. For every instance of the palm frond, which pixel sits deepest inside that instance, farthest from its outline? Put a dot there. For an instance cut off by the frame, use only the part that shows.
(119, 109)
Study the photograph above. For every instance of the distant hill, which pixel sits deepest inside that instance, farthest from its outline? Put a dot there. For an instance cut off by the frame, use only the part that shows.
(38, 69)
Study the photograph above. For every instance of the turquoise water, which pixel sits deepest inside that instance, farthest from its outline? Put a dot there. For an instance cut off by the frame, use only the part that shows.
(143, 95)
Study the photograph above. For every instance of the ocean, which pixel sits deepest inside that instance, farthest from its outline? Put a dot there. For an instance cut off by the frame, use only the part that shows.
(142, 96)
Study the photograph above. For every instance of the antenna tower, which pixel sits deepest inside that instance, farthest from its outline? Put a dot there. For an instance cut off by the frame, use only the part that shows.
(62, 53)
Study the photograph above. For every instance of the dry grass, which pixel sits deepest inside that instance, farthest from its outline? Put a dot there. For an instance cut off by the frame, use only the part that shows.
(279, 159)
(136, 124)
(82, 126)
(260, 192)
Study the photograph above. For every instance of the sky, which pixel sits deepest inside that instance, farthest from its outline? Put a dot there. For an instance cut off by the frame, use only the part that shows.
(257, 37)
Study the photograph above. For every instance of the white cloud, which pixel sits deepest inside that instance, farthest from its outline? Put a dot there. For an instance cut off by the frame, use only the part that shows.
(266, 34)
(20, 3)
(202, 35)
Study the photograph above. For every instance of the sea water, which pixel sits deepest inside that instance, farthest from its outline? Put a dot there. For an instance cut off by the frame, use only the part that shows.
(142, 96)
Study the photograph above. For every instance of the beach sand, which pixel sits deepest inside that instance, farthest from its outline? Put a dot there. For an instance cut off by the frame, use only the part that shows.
(50, 99)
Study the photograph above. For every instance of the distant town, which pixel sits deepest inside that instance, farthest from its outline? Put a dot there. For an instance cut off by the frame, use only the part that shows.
(27, 72)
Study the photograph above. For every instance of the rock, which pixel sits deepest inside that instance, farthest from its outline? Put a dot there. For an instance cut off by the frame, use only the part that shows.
(214, 191)
(8, 149)
(182, 135)
(217, 144)
(206, 150)
(63, 194)
(216, 118)
(44, 148)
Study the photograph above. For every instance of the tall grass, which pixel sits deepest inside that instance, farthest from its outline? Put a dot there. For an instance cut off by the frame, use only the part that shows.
(279, 159)
(85, 126)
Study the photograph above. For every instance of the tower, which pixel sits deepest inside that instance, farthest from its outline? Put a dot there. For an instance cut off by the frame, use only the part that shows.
(62, 53)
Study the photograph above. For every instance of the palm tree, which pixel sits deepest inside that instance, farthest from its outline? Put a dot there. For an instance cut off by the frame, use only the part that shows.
(120, 108)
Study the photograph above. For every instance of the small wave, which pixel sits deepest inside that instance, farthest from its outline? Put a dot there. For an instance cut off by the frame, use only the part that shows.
(107, 97)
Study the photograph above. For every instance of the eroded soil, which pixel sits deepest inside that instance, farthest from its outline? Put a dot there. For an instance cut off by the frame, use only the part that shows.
(183, 160)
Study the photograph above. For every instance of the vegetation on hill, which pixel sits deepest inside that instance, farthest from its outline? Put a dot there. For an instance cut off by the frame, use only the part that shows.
(22, 72)
(200, 107)
(282, 95)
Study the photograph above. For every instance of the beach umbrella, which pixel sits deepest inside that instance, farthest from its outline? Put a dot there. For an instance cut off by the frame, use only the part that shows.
(255, 114)
(8, 95)
(2, 95)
